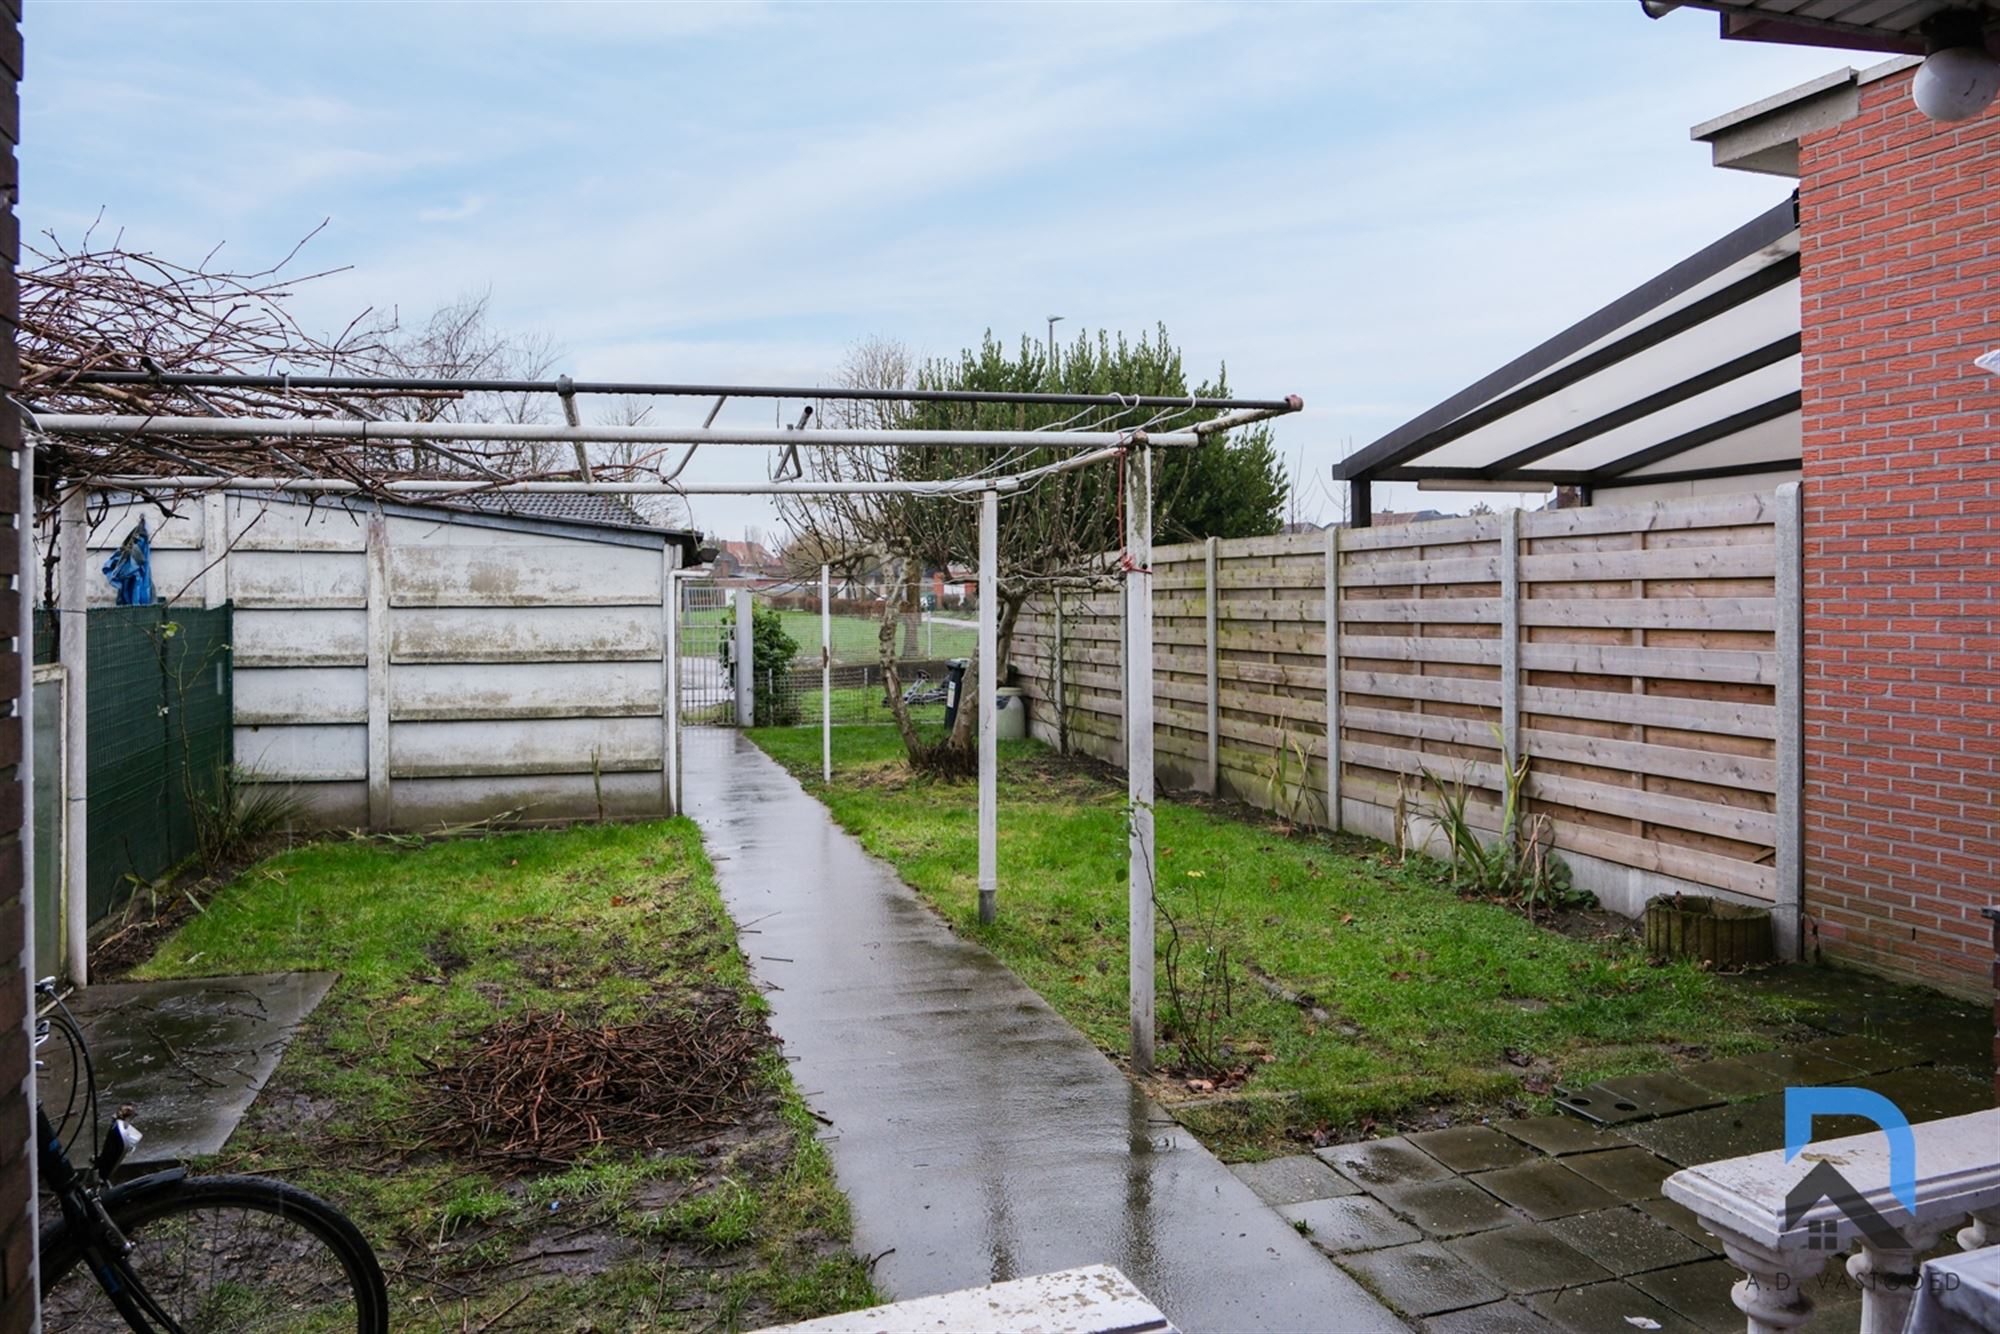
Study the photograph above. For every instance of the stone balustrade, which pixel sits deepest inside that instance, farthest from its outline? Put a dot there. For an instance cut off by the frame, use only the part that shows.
(1845, 1203)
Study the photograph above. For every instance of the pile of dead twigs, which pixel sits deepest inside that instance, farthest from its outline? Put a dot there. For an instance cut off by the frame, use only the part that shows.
(543, 1088)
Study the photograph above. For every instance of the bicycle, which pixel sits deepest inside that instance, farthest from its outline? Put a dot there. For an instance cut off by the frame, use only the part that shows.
(172, 1253)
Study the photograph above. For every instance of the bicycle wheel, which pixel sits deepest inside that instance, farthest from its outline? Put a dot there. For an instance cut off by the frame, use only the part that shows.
(226, 1253)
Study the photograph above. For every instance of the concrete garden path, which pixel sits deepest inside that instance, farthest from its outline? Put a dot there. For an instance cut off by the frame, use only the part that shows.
(978, 1135)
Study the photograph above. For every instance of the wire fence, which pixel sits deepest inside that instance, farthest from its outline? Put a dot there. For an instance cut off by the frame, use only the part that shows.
(859, 693)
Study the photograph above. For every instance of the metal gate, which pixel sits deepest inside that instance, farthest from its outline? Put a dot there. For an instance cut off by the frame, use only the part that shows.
(708, 688)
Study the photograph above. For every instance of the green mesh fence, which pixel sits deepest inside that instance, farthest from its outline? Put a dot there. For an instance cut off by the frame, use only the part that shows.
(159, 737)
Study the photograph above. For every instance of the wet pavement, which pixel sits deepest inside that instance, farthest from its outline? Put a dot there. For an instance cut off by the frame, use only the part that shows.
(1559, 1223)
(189, 1056)
(978, 1136)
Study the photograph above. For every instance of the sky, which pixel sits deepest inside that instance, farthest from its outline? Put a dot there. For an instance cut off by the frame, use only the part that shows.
(1367, 205)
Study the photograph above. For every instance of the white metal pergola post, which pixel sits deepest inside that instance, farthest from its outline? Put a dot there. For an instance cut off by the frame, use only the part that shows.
(745, 648)
(73, 639)
(825, 674)
(986, 680)
(1141, 865)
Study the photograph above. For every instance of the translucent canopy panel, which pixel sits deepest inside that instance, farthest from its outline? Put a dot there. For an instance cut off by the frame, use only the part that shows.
(1695, 373)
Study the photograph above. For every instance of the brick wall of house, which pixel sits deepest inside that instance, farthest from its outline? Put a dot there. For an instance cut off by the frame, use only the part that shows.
(1900, 274)
(17, 1285)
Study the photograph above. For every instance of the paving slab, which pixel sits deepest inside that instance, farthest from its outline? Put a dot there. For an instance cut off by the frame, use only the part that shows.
(1446, 1208)
(1698, 1292)
(1682, 1220)
(1527, 1258)
(1557, 1135)
(1472, 1148)
(1721, 1132)
(1350, 1223)
(1928, 1093)
(1420, 1279)
(1631, 1174)
(1293, 1180)
(190, 1055)
(1614, 1102)
(1870, 1056)
(1799, 1069)
(979, 1137)
(1384, 1162)
(1544, 1190)
(1492, 1318)
(1626, 1241)
(1604, 1307)
(1734, 1079)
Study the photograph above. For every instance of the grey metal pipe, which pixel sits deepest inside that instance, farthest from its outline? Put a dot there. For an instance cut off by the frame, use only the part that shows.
(329, 428)
(563, 384)
(331, 486)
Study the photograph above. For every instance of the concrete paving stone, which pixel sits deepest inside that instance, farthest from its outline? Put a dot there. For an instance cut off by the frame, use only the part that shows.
(1446, 1208)
(1870, 1056)
(1293, 1179)
(1492, 1318)
(1604, 1307)
(1422, 1279)
(1557, 1135)
(1632, 1174)
(1682, 1220)
(1721, 1132)
(1527, 1257)
(1383, 1162)
(1927, 1093)
(1618, 1102)
(1800, 1069)
(1626, 1241)
(1349, 1223)
(234, 1030)
(1698, 1291)
(1734, 1079)
(1472, 1148)
(1544, 1190)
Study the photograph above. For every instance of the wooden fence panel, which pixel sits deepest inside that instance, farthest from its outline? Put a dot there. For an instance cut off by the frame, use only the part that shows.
(1635, 655)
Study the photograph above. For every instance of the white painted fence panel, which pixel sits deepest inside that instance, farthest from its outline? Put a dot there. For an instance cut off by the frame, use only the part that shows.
(486, 665)
(537, 746)
(543, 634)
(576, 575)
(301, 695)
(462, 691)
(303, 754)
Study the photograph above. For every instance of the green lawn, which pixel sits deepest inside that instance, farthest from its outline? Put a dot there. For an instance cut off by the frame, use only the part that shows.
(856, 638)
(433, 942)
(1432, 1003)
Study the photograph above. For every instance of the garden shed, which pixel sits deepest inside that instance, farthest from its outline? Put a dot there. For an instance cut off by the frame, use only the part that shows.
(405, 665)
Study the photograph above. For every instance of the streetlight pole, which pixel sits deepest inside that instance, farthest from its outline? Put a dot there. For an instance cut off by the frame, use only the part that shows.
(1053, 321)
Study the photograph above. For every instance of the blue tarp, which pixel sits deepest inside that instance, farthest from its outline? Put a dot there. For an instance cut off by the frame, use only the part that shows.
(130, 569)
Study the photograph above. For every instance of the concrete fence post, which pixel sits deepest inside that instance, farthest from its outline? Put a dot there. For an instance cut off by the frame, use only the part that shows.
(381, 811)
(1212, 614)
(1334, 818)
(1788, 533)
(1510, 634)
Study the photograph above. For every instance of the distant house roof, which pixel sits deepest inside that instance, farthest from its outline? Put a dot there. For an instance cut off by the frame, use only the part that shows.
(751, 555)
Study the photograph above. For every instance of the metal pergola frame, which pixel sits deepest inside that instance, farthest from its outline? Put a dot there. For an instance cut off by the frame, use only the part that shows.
(1131, 449)
(1681, 308)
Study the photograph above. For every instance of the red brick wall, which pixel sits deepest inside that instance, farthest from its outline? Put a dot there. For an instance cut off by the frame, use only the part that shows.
(1900, 273)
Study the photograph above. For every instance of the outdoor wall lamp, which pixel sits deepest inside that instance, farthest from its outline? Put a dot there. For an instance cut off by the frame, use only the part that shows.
(1959, 77)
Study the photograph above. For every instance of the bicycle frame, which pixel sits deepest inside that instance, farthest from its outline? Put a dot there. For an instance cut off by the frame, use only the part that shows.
(87, 1221)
